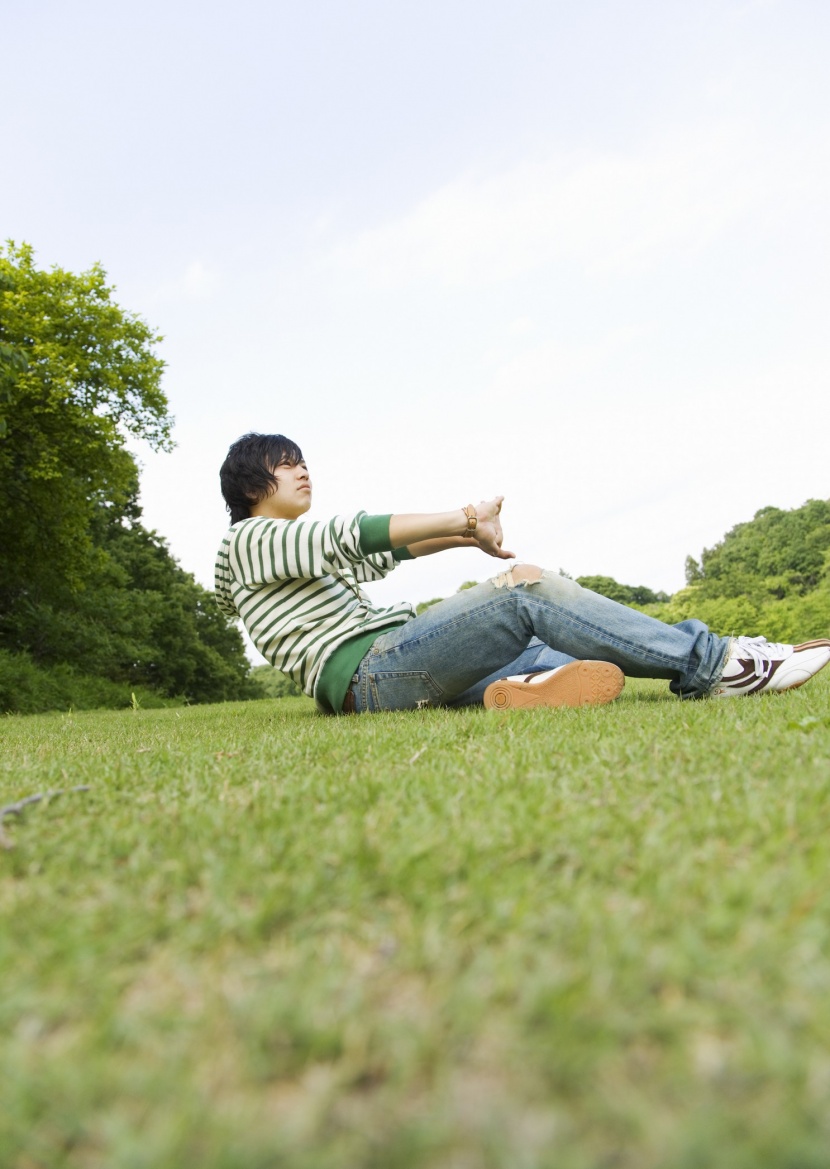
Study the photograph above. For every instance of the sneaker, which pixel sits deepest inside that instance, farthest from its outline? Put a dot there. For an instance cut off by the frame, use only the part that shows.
(755, 665)
(574, 684)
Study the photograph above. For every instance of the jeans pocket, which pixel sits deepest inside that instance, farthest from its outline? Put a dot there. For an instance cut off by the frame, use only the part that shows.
(403, 689)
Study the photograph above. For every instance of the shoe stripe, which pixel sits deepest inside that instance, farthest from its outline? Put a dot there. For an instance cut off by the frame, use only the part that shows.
(747, 672)
(770, 668)
(750, 674)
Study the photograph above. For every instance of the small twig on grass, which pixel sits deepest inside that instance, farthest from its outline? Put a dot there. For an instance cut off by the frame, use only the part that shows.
(17, 809)
(417, 755)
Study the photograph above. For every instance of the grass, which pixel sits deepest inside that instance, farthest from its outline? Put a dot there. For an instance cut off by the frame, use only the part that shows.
(453, 940)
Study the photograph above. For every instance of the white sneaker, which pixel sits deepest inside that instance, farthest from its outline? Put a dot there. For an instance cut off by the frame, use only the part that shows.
(755, 665)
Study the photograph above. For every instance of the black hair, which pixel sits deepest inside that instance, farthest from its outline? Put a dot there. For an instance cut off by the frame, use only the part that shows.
(247, 474)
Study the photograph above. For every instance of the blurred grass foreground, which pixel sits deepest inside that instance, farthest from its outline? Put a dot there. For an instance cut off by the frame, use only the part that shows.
(453, 939)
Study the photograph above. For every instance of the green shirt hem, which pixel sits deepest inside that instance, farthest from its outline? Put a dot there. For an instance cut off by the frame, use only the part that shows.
(338, 671)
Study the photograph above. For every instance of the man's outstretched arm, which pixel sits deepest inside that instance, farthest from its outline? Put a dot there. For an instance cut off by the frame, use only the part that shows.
(424, 534)
(441, 544)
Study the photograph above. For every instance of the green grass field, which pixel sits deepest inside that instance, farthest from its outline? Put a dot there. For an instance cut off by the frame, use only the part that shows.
(440, 939)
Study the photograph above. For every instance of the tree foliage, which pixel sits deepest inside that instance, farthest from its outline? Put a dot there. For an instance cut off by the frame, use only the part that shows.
(777, 553)
(79, 375)
(82, 581)
(770, 576)
(275, 684)
(606, 586)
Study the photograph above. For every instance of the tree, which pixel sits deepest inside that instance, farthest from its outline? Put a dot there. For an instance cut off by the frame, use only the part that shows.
(82, 581)
(770, 575)
(778, 553)
(12, 364)
(139, 618)
(625, 594)
(79, 376)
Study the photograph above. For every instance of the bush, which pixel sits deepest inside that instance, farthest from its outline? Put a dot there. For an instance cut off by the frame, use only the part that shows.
(793, 619)
(625, 594)
(26, 688)
(273, 683)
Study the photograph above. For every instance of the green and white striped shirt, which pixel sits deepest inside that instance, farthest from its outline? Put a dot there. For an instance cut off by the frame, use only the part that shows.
(296, 586)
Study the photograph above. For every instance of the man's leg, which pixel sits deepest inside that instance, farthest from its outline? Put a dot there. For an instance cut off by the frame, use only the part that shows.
(460, 642)
(536, 659)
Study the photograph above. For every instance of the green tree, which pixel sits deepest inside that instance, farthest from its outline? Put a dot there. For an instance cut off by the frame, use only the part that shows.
(82, 581)
(776, 554)
(79, 376)
(188, 646)
(12, 363)
(770, 576)
(606, 586)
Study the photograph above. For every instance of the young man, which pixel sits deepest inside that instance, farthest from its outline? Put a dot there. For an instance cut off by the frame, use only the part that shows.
(527, 637)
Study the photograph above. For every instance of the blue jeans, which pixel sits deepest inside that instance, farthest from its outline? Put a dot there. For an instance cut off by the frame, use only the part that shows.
(448, 655)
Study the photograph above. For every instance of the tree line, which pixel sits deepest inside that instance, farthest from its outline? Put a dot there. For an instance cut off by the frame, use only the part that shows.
(94, 610)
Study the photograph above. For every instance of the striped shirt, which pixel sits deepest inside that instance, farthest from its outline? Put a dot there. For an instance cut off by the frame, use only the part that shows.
(296, 586)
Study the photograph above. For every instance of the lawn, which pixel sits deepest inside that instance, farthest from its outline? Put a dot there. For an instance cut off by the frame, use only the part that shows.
(443, 939)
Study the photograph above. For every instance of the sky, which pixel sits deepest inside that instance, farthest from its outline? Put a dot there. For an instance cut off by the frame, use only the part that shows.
(574, 254)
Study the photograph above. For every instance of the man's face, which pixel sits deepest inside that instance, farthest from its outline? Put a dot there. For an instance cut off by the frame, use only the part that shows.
(292, 495)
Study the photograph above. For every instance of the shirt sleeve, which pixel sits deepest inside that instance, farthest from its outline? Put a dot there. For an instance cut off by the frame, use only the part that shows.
(267, 550)
(375, 566)
(374, 533)
(264, 550)
(374, 537)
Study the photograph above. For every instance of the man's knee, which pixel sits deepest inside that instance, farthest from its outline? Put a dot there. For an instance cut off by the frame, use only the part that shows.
(527, 573)
(518, 574)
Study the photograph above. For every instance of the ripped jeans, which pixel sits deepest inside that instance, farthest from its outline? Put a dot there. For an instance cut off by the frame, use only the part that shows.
(511, 625)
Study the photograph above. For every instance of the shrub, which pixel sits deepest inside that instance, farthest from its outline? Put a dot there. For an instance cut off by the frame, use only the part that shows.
(27, 688)
(273, 683)
(792, 619)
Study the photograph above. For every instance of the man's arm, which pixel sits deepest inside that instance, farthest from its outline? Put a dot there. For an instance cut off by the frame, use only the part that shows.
(428, 547)
(422, 534)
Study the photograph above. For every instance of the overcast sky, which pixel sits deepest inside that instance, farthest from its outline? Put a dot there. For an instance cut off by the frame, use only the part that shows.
(574, 253)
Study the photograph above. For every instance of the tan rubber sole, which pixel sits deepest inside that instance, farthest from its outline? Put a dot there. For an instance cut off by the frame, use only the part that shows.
(576, 684)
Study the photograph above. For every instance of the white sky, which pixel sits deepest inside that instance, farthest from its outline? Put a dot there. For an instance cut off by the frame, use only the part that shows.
(576, 254)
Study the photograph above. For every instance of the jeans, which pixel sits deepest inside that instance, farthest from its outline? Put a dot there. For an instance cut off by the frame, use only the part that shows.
(448, 655)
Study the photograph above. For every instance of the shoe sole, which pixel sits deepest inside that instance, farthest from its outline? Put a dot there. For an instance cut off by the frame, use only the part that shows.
(820, 643)
(576, 684)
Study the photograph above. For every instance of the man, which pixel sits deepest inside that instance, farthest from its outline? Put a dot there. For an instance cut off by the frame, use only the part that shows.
(527, 637)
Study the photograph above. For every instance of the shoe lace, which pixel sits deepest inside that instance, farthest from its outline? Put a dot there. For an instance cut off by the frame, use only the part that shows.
(759, 649)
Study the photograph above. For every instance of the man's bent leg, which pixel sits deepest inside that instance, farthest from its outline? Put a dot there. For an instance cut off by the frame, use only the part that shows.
(590, 626)
(462, 641)
(537, 658)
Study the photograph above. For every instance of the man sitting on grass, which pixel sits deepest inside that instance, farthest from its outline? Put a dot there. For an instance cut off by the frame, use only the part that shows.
(528, 637)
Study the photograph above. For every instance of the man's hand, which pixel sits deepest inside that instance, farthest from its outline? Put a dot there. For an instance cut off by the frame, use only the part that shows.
(488, 534)
(423, 534)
